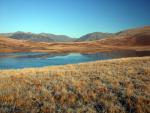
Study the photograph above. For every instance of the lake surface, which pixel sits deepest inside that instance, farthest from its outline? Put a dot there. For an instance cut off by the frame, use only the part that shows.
(24, 60)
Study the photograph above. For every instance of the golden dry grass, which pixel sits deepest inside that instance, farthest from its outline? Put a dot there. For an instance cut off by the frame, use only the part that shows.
(113, 86)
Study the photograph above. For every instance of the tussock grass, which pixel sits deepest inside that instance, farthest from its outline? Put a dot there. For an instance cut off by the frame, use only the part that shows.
(113, 86)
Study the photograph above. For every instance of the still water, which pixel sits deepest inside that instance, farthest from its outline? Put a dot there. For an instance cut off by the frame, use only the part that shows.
(24, 60)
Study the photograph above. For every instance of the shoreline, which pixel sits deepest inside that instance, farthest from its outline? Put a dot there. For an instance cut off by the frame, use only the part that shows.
(82, 63)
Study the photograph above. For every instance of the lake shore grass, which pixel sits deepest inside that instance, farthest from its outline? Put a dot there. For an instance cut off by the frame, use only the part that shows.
(111, 86)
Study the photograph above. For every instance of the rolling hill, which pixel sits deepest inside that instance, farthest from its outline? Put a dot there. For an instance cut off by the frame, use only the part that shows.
(42, 37)
(94, 36)
(131, 37)
(134, 39)
(135, 32)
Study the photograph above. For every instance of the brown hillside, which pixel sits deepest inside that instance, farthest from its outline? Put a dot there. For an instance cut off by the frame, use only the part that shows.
(134, 39)
(137, 40)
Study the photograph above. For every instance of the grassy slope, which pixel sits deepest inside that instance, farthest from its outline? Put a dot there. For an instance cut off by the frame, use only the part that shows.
(113, 86)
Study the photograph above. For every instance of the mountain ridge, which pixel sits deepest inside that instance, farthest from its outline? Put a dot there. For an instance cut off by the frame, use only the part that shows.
(39, 37)
(94, 36)
(48, 37)
(134, 39)
(136, 33)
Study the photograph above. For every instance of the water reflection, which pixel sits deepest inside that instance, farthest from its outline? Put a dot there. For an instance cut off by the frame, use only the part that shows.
(118, 54)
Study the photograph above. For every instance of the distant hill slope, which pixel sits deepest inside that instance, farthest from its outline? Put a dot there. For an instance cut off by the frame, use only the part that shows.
(131, 37)
(11, 45)
(42, 37)
(135, 32)
(15, 45)
(94, 36)
(134, 39)
(46, 37)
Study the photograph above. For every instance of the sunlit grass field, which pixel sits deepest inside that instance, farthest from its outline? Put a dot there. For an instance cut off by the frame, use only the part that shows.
(112, 86)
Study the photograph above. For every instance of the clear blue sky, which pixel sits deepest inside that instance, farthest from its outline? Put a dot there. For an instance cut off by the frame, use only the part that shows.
(73, 17)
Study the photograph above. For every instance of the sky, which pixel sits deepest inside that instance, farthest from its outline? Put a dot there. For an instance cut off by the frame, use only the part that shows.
(73, 17)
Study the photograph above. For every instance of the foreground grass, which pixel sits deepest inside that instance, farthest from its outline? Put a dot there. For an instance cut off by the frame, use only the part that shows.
(114, 86)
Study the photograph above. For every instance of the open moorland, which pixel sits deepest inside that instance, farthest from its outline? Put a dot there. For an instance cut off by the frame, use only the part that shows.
(112, 86)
